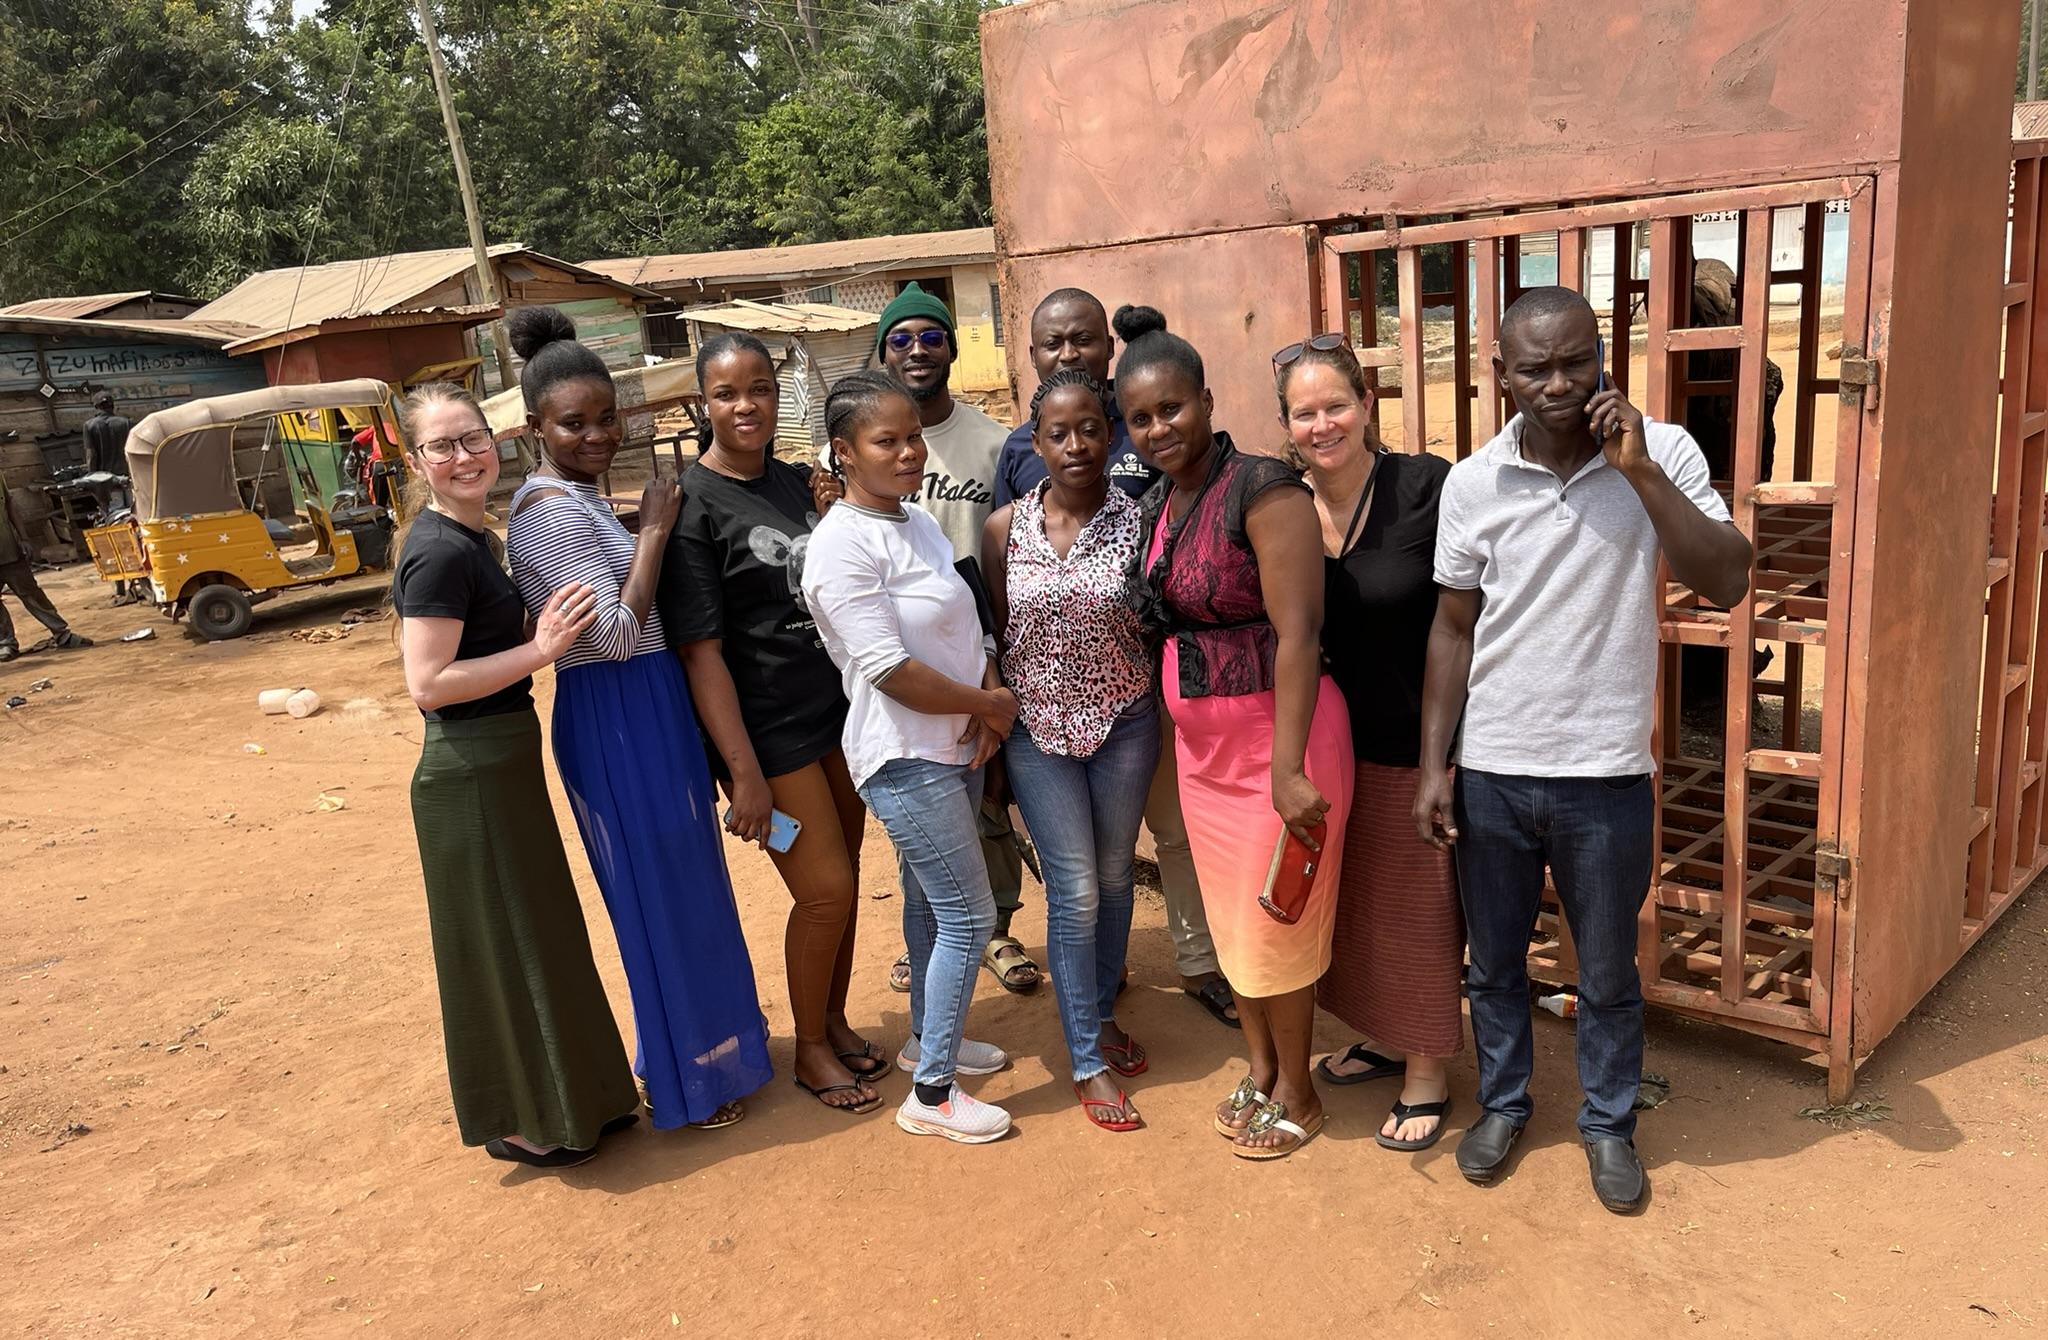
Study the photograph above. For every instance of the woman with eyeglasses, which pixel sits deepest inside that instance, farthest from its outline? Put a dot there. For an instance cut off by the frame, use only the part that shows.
(534, 1060)
(1399, 942)
(627, 747)
(1232, 575)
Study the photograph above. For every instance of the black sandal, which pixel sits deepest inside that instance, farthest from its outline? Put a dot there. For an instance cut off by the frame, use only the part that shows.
(877, 1059)
(1404, 1111)
(1382, 1067)
(560, 1157)
(1215, 997)
(870, 1105)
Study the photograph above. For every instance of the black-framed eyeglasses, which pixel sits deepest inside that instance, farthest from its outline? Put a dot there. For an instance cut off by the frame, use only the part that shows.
(1322, 344)
(475, 442)
(899, 340)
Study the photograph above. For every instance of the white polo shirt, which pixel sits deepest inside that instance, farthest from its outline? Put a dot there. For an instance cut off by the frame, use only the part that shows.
(1564, 657)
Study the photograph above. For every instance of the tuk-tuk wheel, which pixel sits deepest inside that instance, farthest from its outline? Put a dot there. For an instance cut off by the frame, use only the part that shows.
(219, 612)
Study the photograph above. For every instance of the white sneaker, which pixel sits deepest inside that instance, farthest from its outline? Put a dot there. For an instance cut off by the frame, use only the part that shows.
(973, 1058)
(961, 1117)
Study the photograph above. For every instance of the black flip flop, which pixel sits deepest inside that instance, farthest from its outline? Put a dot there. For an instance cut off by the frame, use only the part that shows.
(1402, 1112)
(872, 1054)
(564, 1157)
(620, 1123)
(850, 1108)
(1214, 996)
(1382, 1067)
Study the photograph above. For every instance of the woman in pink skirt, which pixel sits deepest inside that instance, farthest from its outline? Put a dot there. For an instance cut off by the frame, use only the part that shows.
(1233, 577)
(1400, 937)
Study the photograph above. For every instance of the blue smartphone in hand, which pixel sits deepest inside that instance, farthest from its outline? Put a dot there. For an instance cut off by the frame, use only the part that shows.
(782, 829)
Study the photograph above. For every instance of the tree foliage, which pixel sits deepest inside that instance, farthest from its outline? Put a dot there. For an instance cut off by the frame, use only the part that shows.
(182, 144)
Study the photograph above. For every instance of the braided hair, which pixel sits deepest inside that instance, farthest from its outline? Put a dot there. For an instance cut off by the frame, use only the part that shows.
(1069, 377)
(853, 400)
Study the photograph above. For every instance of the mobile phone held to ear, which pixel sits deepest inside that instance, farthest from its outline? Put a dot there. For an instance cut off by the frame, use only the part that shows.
(1292, 875)
(782, 829)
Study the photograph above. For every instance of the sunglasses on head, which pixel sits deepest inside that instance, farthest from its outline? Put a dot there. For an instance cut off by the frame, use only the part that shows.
(900, 340)
(1320, 343)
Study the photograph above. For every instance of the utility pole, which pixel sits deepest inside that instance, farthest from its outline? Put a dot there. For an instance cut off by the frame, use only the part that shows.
(487, 277)
(2033, 50)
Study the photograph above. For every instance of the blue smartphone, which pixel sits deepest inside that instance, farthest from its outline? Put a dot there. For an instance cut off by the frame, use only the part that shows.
(782, 829)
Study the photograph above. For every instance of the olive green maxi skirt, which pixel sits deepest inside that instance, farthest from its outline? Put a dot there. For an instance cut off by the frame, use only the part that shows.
(533, 1050)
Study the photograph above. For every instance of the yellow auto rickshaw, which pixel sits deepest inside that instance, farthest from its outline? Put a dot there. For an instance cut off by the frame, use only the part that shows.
(193, 537)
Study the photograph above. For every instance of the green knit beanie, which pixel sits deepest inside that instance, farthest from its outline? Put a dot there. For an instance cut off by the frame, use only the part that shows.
(914, 301)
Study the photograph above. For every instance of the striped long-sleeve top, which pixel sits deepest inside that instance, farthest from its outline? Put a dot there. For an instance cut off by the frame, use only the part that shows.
(567, 534)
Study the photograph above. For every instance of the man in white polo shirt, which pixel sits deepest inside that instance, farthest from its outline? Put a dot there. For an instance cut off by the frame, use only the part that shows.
(1545, 642)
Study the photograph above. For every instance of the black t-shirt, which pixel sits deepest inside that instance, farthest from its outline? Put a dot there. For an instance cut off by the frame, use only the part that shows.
(733, 571)
(106, 440)
(449, 572)
(1378, 602)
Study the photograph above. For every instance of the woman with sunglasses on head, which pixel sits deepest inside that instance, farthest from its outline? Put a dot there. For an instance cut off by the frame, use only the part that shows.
(1233, 577)
(732, 604)
(1059, 562)
(926, 711)
(626, 744)
(534, 1060)
(1399, 942)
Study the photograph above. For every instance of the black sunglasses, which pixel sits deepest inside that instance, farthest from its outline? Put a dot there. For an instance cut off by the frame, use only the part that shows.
(899, 340)
(1322, 344)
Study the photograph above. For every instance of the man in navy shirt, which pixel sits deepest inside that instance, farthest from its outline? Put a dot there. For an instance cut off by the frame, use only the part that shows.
(1070, 329)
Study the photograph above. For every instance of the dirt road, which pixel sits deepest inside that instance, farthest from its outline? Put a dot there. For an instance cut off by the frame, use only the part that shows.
(223, 1110)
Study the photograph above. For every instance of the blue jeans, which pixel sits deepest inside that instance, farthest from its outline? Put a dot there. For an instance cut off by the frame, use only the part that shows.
(1598, 836)
(1084, 814)
(931, 811)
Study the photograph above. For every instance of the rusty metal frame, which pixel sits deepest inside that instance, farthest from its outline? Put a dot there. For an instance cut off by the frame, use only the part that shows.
(1743, 923)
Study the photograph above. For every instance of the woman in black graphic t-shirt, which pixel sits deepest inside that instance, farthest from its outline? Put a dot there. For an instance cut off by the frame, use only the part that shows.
(732, 604)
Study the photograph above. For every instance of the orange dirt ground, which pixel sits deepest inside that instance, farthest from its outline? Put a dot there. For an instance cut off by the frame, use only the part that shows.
(223, 1110)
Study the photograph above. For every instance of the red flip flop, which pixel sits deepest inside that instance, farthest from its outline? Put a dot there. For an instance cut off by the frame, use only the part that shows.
(1127, 1060)
(1130, 1122)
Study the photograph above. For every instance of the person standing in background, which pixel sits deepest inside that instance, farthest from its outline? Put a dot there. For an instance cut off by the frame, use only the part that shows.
(918, 345)
(1070, 331)
(17, 576)
(106, 437)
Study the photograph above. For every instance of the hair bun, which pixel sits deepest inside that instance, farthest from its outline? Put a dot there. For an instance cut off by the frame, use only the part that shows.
(1130, 322)
(532, 329)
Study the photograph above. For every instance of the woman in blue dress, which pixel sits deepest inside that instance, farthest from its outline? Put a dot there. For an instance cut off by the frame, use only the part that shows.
(627, 747)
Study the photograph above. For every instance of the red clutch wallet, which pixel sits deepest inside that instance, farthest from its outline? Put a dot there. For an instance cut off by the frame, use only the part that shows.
(1291, 876)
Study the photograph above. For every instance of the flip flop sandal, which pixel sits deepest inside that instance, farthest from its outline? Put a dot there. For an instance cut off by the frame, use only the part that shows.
(899, 975)
(1005, 957)
(851, 1108)
(1132, 1055)
(731, 1114)
(1215, 997)
(1273, 1117)
(1242, 1097)
(1130, 1121)
(877, 1058)
(1382, 1067)
(1402, 1112)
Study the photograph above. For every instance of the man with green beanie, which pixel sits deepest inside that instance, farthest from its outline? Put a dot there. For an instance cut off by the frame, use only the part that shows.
(917, 345)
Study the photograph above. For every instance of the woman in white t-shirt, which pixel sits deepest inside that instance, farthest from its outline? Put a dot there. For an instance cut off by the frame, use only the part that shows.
(926, 709)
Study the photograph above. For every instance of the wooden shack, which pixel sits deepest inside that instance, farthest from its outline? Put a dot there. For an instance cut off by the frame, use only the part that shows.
(1845, 822)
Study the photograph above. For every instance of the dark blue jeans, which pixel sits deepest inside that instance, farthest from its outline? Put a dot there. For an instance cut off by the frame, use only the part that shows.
(1598, 836)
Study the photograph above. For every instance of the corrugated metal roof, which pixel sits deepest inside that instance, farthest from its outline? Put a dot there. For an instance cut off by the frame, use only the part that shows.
(784, 318)
(85, 304)
(2030, 120)
(809, 260)
(373, 286)
(214, 333)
